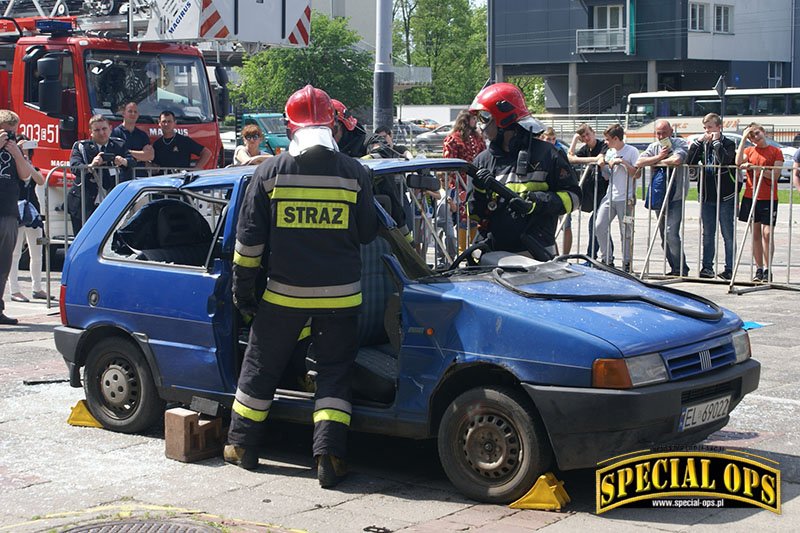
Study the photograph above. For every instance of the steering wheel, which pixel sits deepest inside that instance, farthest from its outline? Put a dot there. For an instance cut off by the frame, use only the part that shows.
(483, 246)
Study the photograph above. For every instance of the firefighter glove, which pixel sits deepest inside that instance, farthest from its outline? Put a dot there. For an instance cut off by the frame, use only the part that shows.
(482, 177)
(521, 208)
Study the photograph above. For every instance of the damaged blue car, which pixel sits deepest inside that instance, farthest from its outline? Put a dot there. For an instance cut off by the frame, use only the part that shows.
(516, 366)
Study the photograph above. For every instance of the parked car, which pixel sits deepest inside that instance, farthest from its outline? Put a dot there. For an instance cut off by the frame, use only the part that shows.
(229, 142)
(427, 123)
(787, 151)
(273, 125)
(513, 365)
(406, 132)
(431, 142)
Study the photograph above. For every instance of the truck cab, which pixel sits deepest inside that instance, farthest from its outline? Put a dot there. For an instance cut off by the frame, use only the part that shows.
(60, 74)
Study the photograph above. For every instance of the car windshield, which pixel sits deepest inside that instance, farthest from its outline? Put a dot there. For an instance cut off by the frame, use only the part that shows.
(156, 82)
(274, 125)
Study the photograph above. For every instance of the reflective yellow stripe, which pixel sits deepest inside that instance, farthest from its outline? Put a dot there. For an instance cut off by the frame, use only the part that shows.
(333, 415)
(250, 414)
(243, 260)
(341, 302)
(298, 193)
(304, 333)
(566, 199)
(527, 186)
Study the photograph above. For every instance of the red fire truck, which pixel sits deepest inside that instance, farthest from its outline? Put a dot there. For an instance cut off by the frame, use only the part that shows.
(56, 74)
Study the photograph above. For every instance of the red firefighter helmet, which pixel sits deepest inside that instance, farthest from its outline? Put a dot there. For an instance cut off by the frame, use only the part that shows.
(309, 107)
(504, 103)
(343, 115)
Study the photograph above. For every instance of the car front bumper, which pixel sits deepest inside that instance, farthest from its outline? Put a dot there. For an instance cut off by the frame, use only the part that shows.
(588, 425)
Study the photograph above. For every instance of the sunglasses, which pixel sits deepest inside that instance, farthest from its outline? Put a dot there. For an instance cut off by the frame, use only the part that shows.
(252, 137)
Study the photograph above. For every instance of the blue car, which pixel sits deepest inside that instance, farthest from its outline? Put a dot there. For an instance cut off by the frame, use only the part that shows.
(515, 366)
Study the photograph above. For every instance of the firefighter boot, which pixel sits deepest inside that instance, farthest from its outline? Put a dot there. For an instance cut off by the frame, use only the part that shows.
(246, 458)
(330, 470)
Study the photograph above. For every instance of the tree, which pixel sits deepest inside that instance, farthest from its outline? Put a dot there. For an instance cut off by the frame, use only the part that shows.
(532, 88)
(450, 37)
(331, 62)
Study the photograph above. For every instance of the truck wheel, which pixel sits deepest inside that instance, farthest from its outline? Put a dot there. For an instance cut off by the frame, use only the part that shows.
(119, 386)
(492, 445)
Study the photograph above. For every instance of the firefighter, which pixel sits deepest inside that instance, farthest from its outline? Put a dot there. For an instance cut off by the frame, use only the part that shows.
(542, 175)
(307, 211)
(348, 132)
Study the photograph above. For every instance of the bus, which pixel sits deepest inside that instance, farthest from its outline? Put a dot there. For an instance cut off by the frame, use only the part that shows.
(778, 110)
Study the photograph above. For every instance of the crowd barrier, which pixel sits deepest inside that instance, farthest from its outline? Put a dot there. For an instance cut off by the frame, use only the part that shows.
(641, 251)
(647, 256)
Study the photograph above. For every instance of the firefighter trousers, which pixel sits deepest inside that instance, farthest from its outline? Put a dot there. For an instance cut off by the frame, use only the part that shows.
(273, 336)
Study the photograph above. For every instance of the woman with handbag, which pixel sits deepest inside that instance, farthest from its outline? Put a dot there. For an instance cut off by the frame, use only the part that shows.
(29, 231)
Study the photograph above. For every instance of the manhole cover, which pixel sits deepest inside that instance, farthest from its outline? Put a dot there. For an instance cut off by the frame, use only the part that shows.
(143, 526)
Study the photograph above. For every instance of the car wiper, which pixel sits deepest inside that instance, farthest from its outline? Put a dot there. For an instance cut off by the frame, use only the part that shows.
(714, 314)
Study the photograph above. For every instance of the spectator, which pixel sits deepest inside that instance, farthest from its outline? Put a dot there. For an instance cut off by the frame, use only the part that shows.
(446, 208)
(549, 135)
(618, 165)
(588, 155)
(173, 150)
(763, 163)
(103, 162)
(796, 170)
(669, 151)
(463, 142)
(27, 191)
(14, 167)
(136, 141)
(381, 145)
(249, 153)
(717, 191)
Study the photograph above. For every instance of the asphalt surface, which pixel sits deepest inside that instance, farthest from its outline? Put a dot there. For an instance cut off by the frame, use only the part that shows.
(54, 476)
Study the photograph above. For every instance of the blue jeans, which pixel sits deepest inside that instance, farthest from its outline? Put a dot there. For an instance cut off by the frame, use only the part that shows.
(708, 215)
(671, 225)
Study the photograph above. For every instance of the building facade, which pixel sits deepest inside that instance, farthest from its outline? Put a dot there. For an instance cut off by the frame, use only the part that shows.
(592, 53)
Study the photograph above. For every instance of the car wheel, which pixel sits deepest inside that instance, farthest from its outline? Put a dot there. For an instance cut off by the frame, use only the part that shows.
(119, 386)
(492, 444)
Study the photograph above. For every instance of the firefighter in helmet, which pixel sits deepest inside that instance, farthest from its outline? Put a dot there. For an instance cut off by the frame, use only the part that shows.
(533, 168)
(306, 211)
(348, 132)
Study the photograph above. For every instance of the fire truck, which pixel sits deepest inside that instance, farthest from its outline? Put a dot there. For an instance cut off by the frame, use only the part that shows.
(55, 73)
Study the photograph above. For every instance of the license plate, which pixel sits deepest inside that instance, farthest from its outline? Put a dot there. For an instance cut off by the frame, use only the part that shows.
(704, 413)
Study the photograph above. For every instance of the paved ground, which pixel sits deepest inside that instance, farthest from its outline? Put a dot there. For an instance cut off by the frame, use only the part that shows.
(53, 475)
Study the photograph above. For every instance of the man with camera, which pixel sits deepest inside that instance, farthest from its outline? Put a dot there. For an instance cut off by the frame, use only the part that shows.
(99, 164)
(13, 168)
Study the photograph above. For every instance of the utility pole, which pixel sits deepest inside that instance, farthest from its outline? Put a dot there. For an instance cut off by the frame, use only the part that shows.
(383, 78)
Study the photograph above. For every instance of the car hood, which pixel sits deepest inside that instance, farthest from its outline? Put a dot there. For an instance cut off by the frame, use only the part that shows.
(627, 327)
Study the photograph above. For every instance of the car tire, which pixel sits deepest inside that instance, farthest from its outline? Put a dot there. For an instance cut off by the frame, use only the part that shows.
(492, 444)
(119, 386)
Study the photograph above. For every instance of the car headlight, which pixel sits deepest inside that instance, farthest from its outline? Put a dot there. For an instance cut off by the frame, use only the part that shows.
(741, 345)
(629, 372)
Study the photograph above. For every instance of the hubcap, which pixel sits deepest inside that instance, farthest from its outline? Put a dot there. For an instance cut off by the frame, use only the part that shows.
(491, 446)
(119, 386)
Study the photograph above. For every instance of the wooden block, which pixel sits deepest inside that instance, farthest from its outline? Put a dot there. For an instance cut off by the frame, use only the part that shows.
(191, 437)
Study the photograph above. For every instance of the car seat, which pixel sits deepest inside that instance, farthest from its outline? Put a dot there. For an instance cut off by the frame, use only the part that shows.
(169, 231)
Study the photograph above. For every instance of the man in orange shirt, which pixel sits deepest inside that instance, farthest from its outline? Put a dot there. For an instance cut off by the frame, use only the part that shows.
(763, 164)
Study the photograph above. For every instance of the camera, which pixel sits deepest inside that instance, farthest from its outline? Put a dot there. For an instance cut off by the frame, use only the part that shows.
(108, 157)
(11, 136)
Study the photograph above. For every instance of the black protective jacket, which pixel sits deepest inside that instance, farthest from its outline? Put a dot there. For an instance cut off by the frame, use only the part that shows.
(550, 182)
(83, 152)
(308, 215)
(720, 152)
